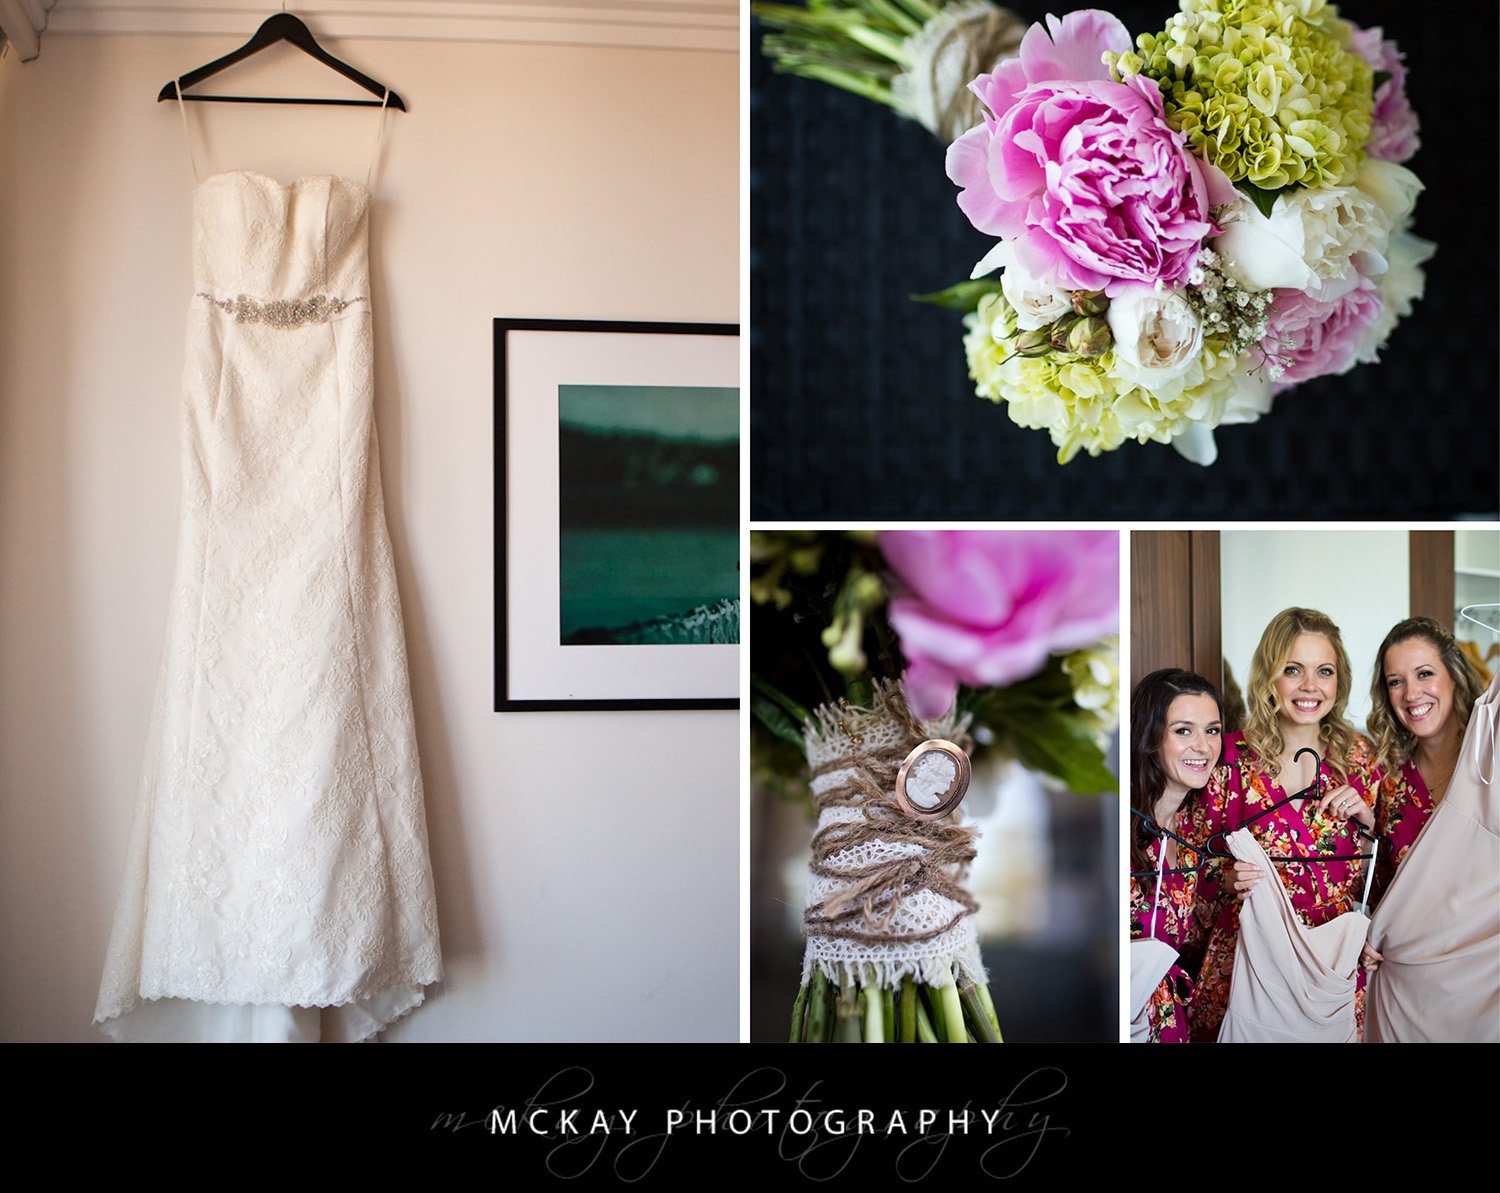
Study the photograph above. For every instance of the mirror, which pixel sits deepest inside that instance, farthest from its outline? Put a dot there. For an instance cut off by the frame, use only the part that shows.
(1476, 588)
(1359, 578)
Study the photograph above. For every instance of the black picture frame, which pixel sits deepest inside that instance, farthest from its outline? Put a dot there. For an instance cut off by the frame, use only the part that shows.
(527, 378)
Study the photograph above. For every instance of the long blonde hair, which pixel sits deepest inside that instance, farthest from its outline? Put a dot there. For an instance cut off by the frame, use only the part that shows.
(1263, 706)
(1394, 742)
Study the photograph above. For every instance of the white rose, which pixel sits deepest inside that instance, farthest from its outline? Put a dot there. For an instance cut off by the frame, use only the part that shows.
(1309, 238)
(1037, 303)
(1157, 339)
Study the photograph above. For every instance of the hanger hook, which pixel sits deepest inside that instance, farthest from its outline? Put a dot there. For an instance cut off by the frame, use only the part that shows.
(1318, 771)
(1150, 824)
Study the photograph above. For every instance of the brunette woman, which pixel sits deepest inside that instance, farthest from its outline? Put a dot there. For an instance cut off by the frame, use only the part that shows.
(1421, 694)
(1176, 726)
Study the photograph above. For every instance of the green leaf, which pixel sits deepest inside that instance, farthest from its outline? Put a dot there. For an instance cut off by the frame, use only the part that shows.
(774, 717)
(1382, 77)
(777, 711)
(860, 691)
(1264, 200)
(969, 702)
(1049, 689)
(1060, 744)
(963, 297)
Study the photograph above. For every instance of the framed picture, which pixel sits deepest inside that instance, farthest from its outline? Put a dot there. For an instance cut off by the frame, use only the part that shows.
(617, 515)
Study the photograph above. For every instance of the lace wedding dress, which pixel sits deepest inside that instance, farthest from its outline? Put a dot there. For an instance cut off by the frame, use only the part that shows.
(277, 884)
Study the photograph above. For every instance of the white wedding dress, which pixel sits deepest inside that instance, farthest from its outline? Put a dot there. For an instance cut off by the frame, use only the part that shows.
(277, 885)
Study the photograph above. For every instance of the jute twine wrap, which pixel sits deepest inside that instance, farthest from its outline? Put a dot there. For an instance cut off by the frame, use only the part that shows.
(961, 43)
(885, 893)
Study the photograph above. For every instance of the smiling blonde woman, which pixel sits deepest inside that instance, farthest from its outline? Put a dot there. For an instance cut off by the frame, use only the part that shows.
(1296, 696)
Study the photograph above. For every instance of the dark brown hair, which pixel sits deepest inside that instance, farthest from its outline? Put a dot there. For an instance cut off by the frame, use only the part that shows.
(1149, 704)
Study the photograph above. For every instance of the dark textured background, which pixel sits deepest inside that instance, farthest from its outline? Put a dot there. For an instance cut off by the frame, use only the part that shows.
(860, 402)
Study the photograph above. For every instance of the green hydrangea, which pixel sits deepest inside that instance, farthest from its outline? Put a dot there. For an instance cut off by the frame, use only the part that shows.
(1094, 673)
(1078, 401)
(1267, 90)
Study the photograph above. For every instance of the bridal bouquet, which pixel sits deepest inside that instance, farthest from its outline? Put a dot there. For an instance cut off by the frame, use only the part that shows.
(887, 661)
(1187, 224)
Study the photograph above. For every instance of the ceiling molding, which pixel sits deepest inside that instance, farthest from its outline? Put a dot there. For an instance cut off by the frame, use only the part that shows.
(21, 24)
(646, 24)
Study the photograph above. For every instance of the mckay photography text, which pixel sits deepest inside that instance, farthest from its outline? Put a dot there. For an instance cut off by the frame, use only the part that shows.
(765, 1115)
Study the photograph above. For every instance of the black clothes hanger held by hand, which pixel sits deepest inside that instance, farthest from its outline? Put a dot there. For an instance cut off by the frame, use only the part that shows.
(1314, 792)
(282, 26)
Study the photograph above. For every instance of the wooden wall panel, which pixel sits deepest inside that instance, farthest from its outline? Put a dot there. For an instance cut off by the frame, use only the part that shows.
(1174, 602)
(1207, 641)
(1431, 569)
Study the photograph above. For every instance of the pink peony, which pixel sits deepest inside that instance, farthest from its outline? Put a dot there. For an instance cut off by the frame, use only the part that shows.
(1082, 174)
(987, 607)
(1324, 327)
(1393, 126)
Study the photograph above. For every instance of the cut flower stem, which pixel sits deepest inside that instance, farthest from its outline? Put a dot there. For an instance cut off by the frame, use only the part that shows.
(960, 1011)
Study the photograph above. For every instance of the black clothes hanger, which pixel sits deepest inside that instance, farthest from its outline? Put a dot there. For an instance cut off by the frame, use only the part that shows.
(1207, 852)
(282, 26)
(1314, 792)
(1203, 852)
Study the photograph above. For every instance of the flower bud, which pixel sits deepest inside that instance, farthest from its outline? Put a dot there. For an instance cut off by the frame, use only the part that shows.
(1090, 337)
(1090, 302)
(867, 591)
(805, 559)
(1033, 343)
(845, 652)
(1060, 332)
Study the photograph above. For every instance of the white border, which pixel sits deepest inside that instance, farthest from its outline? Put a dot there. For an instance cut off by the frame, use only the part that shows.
(538, 667)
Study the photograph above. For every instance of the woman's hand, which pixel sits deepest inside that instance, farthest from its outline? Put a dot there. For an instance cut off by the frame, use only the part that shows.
(1369, 958)
(1347, 804)
(1240, 878)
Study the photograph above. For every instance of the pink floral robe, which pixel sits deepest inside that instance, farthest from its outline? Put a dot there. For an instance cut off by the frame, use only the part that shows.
(1167, 1012)
(1401, 810)
(1319, 891)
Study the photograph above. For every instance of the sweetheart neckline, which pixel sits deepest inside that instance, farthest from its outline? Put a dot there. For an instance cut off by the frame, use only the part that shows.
(283, 186)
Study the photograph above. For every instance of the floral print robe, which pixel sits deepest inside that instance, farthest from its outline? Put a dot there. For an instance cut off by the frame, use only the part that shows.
(1167, 1012)
(1401, 810)
(1319, 891)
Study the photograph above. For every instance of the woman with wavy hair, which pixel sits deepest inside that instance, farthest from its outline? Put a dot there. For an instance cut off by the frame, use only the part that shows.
(1421, 694)
(1295, 700)
(1176, 733)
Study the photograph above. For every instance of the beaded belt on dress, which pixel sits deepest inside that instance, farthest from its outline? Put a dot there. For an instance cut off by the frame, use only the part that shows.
(282, 312)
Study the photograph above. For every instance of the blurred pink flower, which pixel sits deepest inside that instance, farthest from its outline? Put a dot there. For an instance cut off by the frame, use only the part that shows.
(987, 607)
(1083, 175)
(1393, 125)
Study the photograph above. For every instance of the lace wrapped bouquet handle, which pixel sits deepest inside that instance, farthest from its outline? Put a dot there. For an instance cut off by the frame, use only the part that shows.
(892, 953)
